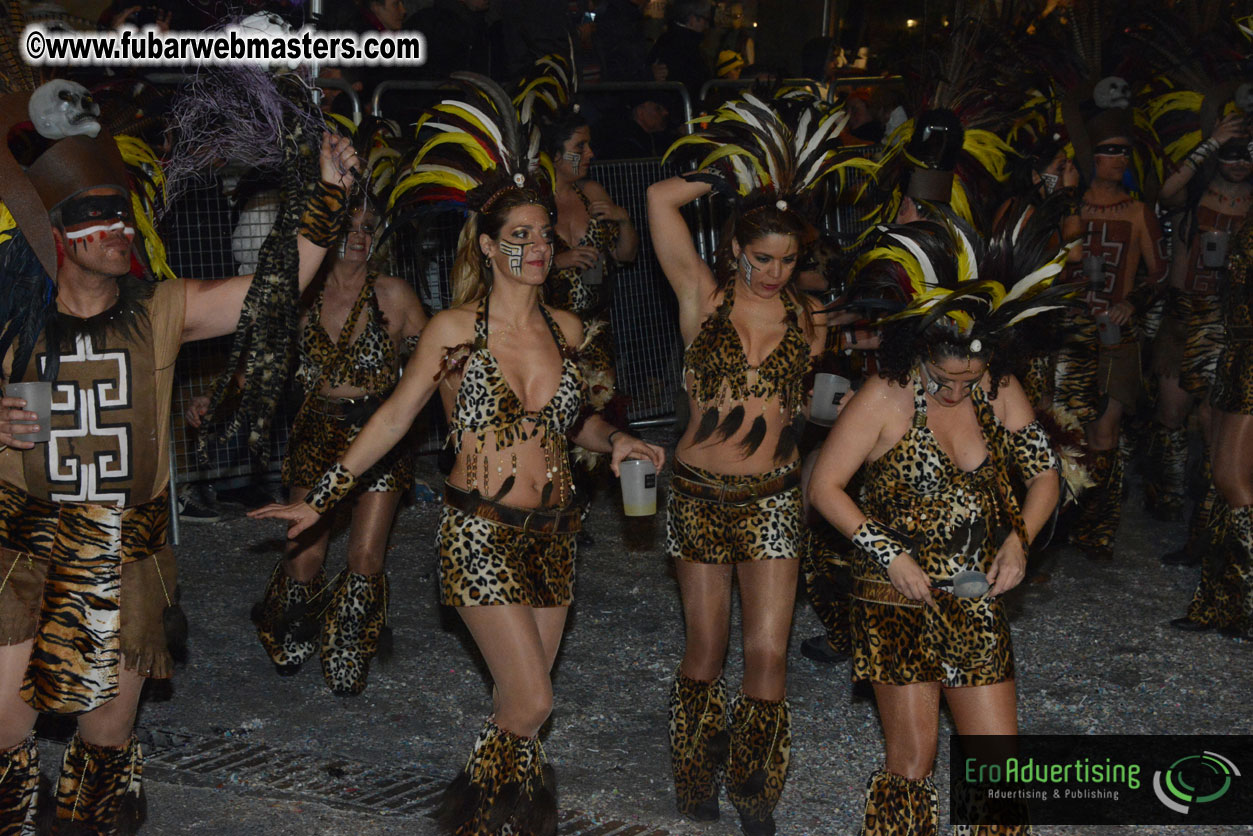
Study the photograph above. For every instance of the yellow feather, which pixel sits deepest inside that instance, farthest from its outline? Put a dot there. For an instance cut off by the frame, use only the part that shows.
(153, 245)
(454, 180)
(989, 150)
(466, 141)
(7, 223)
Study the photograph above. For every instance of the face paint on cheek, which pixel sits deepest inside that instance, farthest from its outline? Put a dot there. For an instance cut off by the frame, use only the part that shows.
(575, 161)
(92, 232)
(514, 253)
(746, 269)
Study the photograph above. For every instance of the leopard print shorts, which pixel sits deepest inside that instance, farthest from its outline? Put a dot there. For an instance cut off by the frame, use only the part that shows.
(704, 531)
(319, 439)
(483, 562)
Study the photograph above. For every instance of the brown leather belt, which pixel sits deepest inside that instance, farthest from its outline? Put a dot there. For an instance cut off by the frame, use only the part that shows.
(880, 592)
(565, 520)
(356, 410)
(687, 482)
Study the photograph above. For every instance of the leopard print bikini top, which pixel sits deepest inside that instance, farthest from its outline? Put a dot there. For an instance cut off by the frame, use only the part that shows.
(916, 469)
(486, 405)
(565, 287)
(721, 374)
(368, 362)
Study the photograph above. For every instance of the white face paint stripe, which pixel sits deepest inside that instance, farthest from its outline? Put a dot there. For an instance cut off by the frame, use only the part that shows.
(100, 229)
(746, 267)
(575, 160)
(514, 253)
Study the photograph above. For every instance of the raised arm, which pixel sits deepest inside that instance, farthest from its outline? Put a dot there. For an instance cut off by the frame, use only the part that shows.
(688, 274)
(213, 306)
(602, 206)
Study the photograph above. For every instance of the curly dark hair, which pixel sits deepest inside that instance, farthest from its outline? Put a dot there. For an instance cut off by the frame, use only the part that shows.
(902, 346)
(761, 220)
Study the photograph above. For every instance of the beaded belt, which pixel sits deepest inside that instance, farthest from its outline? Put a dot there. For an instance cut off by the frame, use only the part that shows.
(687, 482)
(565, 520)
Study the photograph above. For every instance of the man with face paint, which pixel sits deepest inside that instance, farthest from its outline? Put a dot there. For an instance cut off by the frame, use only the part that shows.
(88, 597)
(1098, 370)
(1212, 191)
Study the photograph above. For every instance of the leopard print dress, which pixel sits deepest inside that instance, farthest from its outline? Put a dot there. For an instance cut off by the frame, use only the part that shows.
(320, 436)
(1233, 378)
(953, 519)
(483, 561)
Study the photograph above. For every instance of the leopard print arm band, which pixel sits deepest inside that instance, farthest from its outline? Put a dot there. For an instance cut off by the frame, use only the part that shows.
(1032, 451)
(873, 538)
(324, 216)
(331, 488)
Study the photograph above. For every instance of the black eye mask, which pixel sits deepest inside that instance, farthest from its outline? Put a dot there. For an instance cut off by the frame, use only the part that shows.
(95, 209)
(1112, 151)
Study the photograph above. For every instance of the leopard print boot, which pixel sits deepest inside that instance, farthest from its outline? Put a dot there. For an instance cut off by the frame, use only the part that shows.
(354, 622)
(1239, 574)
(1207, 605)
(1100, 506)
(900, 806)
(761, 743)
(1165, 486)
(285, 619)
(698, 744)
(99, 791)
(19, 788)
(506, 787)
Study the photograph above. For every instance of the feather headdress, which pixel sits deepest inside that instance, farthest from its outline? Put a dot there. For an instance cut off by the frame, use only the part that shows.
(943, 274)
(468, 150)
(776, 152)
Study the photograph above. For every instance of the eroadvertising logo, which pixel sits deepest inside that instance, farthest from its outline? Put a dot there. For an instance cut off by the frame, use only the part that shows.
(1100, 779)
(1194, 779)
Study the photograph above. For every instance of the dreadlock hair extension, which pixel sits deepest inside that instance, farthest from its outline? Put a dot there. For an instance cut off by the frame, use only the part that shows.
(471, 278)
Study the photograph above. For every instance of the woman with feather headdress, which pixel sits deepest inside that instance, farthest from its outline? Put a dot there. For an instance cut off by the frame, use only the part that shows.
(353, 337)
(504, 367)
(941, 431)
(735, 505)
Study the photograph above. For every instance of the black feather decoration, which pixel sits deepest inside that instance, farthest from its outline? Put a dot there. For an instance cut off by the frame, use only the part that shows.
(501, 809)
(257, 614)
(754, 783)
(538, 816)
(459, 803)
(682, 414)
(708, 423)
(546, 495)
(132, 812)
(300, 627)
(174, 622)
(386, 646)
(505, 488)
(789, 440)
(718, 747)
(756, 435)
(731, 424)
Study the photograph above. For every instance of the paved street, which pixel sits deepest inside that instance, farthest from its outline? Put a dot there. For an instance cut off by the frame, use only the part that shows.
(235, 749)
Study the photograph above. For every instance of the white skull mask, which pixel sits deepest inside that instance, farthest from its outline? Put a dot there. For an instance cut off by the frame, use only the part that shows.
(63, 108)
(1244, 97)
(1112, 91)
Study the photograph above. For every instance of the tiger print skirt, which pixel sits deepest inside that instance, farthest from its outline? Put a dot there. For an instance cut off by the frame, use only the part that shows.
(1189, 342)
(89, 583)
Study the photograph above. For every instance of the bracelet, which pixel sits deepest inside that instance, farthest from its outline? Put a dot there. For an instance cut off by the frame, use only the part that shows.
(324, 216)
(612, 434)
(873, 538)
(1199, 154)
(334, 485)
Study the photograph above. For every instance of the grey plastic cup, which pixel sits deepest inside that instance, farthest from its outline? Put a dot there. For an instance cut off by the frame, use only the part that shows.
(639, 487)
(969, 583)
(1107, 330)
(38, 397)
(828, 389)
(1214, 248)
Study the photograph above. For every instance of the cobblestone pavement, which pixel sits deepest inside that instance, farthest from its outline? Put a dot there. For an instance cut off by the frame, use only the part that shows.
(235, 749)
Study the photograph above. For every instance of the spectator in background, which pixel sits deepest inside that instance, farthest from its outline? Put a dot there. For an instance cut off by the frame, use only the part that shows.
(457, 38)
(677, 54)
(730, 64)
(621, 42)
(534, 28)
(731, 31)
(641, 132)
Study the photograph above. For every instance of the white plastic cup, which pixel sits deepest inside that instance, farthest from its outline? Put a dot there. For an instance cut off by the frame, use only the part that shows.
(1214, 248)
(639, 487)
(1094, 268)
(594, 275)
(828, 390)
(38, 397)
(1107, 330)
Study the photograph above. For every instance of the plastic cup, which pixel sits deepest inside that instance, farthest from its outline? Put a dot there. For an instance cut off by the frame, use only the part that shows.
(38, 397)
(969, 584)
(1214, 248)
(1107, 330)
(828, 390)
(639, 487)
(1094, 269)
(595, 274)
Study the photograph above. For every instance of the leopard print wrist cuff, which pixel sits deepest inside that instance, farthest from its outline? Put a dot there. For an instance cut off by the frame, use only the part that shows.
(873, 538)
(331, 488)
(324, 214)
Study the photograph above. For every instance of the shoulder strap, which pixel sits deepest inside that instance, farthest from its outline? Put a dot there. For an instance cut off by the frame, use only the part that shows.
(554, 329)
(480, 325)
(920, 403)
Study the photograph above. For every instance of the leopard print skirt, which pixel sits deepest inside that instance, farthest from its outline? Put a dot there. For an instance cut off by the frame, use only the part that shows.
(768, 528)
(319, 439)
(483, 562)
(1233, 379)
